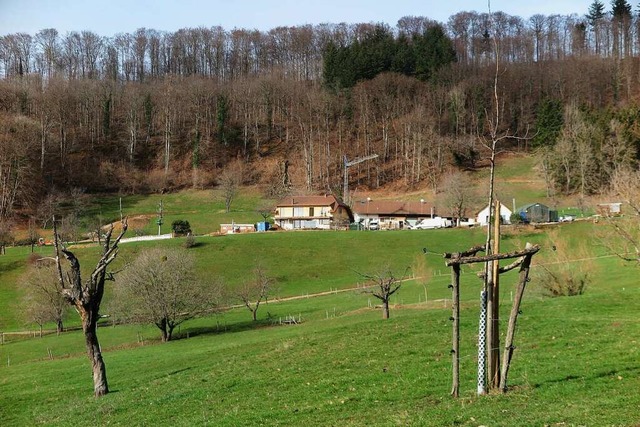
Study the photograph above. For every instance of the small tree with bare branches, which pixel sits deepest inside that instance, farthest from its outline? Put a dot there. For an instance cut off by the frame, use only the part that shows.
(382, 286)
(230, 180)
(256, 290)
(161, 287)
(86, 297)
(44, 301)
(624, 240)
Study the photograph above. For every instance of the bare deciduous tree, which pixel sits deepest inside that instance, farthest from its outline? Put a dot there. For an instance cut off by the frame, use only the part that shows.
(44, 301)
(265, 210)
(86, 297)
(6, 236)
(256, 290)
(229, 181)
(383, 285)
(624, 241)
(457, 194)
(161, 287)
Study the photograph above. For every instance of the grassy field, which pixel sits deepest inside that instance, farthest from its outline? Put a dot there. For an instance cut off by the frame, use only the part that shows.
(303, 262)
(576, 361)
(204, 209)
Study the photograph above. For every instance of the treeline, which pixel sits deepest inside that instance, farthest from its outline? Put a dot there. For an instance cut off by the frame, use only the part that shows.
(378, 52)
(297, 52)
(149, 126)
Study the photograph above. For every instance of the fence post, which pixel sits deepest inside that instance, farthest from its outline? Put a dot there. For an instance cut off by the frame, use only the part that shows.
(513, 317)
(455, 306)
(482, 343)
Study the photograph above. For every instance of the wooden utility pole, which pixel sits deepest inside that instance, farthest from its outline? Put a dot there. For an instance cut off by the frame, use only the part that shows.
(347, 165)
(493, 308)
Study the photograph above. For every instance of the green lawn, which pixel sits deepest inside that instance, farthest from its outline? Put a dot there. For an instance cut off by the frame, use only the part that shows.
(204, 209)
(575, 363)
(576, 358)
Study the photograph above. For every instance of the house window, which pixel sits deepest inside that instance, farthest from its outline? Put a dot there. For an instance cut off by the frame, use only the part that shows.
(297, 212)
(311, 211)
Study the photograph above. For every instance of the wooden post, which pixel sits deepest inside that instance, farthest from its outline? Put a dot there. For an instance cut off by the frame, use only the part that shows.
(455, 351)
(493, 308)
(513, 317)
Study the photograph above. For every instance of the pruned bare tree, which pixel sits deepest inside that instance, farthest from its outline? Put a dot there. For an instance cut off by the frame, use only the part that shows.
(44, 301)
(86, 297)
(383, 285)
(6, 235)
(230, 180)
(624, 241)
(255, 290)
(458, 194)
(265, 210)
(161, 287)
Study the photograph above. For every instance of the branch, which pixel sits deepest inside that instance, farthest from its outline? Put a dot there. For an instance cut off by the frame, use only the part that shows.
(57, 249)
(470, 252)
(75, 280)
(110, 253)
(504, 269)
(471, 260)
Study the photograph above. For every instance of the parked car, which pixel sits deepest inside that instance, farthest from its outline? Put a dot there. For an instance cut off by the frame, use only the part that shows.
(374, 225)
(566, 218)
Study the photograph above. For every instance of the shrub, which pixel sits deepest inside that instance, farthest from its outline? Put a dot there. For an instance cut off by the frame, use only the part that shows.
(567, 268)
(515, 218)
(189, 242)
(564, 282)
(181, 227)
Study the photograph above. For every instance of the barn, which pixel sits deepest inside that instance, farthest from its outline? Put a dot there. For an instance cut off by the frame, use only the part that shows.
(537, 212)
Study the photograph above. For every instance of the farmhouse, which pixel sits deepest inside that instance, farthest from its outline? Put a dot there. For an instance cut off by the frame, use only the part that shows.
(483, 216)
(312, 212)
(537, 212)
(390, 214)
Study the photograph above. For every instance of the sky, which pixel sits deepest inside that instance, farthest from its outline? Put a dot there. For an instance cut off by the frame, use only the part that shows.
(110, 17)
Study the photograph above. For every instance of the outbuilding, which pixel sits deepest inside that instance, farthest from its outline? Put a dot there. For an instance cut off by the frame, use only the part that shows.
(537, 212)
(483, 216)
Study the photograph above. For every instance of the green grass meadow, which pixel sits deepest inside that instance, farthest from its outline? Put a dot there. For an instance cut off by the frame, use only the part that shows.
(576, 360)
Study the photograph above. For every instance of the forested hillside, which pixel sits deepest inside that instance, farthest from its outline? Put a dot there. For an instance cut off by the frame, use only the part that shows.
(156, 111)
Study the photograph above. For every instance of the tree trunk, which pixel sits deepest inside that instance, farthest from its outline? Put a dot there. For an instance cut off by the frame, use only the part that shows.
(385, 309)
(89, 327)
(59, 327)
(164, 330)
(254, 313)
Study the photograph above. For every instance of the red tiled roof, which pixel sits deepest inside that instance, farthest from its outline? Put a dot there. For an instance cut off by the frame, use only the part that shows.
(391, 207)
(326, 200)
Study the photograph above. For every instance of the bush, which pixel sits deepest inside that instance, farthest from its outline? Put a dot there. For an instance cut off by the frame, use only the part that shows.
(567, 267)
(181, 227)
(515, 218)
(564, 283)
(189, 242)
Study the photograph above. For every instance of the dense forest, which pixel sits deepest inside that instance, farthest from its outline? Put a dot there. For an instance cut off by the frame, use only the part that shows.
(157, 111)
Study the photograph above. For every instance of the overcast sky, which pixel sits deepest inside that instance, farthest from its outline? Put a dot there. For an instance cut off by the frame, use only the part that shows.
(109, 17)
